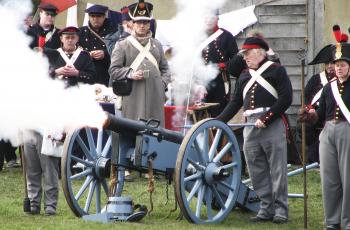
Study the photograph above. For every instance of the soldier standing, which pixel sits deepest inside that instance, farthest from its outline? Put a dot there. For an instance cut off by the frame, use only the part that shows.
(220, 47)
(313, 92)
(44, 33)
(333, 109)
(140, 57)
(71, 63)
(42, 170)
(265, 92)
(92, 40)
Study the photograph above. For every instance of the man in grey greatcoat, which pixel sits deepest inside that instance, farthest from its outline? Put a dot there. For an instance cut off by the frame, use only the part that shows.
(141, 58)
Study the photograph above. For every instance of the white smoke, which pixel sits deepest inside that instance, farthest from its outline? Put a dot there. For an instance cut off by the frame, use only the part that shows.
(189, 24)
(188, 31)
(29, 99)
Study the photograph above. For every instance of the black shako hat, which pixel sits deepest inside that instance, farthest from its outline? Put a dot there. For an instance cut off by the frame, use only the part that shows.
(125, 14)
(49, 8)
(341, 52)
(254, 43)
(141, 11)
(69, 30)
(325, 55)
(96, 9)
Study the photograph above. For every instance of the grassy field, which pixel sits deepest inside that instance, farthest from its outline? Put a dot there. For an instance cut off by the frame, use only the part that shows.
(12, 216)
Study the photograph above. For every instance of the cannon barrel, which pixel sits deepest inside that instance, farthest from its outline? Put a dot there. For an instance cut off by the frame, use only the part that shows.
(132, 127)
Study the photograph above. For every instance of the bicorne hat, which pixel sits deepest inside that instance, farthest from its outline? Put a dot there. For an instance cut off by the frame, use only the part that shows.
(325, 55)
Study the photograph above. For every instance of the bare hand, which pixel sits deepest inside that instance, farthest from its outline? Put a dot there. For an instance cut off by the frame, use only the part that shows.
(259, 124)
(97, 54)
(68, 70)
(137, 75)
(71, 71)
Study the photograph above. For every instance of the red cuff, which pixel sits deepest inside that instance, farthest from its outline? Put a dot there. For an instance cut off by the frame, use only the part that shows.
(308, 107)
(222, 65)
(266, 117)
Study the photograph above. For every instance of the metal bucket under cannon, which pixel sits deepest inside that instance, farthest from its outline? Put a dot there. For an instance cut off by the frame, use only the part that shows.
(206, 188)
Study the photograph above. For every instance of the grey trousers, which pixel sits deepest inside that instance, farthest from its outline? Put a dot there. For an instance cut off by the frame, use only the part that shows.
(38, 167)
(266, 155)
(335, 172)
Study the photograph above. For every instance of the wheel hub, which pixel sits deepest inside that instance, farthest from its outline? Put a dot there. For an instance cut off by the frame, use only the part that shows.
(103, 167)
(214, 172)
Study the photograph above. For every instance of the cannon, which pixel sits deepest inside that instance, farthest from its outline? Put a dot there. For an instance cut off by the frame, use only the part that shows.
(207, 187)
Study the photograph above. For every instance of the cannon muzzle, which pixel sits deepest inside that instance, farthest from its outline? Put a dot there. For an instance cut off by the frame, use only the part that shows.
(133, 128)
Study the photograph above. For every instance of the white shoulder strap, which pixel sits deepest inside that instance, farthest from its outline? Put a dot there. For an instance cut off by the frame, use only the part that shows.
(144, 53)
(324, 81)
(340, 101)
(323, 78)
(211, 38)
(49, 34)
(256, 76)
(70, 61)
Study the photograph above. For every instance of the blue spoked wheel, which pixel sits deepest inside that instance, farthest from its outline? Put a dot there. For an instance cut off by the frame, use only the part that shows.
(208, 172)
(85, 166)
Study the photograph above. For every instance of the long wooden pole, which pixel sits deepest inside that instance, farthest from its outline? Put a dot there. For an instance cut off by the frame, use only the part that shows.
(303, 141)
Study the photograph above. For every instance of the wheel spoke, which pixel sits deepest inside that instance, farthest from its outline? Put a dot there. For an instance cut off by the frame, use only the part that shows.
(223, 183)
(217, 196)
(83, 187)
(105, 186)
(98, 197)
(99, 142)
(196, 165)
(215, 143)
(231, 165)
(208, 200)
(84, 162)
(222, 152)
(193, 177)
(107, 146)
(201, 193)
(89, 197)
(201, 154)
(81, 174)
(91, 142)
(84, 148)
(194, 190)
(206, 144)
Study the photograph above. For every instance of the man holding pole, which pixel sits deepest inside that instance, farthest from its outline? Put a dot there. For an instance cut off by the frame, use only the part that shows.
(334, 140)
(265, 92)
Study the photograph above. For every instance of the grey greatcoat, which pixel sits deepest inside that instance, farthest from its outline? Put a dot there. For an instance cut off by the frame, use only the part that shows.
(148, 95)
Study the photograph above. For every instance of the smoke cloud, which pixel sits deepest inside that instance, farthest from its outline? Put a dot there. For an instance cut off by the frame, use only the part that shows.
(188, 31)
(29, 99)
(189, 23)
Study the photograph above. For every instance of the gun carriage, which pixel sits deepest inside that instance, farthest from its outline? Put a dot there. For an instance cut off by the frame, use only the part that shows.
(207, 185)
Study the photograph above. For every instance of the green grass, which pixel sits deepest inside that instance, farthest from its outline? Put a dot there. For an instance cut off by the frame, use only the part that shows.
(12, 216)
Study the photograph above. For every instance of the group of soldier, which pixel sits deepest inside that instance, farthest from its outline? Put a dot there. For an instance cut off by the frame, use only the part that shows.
(101, 53)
